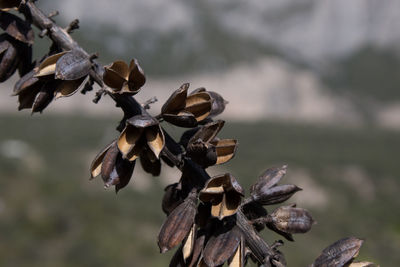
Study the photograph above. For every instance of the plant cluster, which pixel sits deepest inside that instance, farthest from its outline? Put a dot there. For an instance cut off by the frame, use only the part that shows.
(209, 219)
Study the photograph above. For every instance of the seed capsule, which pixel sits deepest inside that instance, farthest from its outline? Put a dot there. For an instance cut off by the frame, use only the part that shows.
(123, 78)
(17, 28)
(9, 58)
(339, 253)
(177, 225)
(291, 220)
(275, 194)
(72, 66)
(268, 179)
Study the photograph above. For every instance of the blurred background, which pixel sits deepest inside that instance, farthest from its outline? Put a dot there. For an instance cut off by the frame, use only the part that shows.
(310, 83)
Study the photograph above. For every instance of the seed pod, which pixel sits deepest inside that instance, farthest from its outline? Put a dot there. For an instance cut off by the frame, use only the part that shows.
(238, 259)
(178, 224)
(291, 220)
(123, 78)
(224, 193)
(208, 132)
(9, 58)
(203, 154)
(268, 179)
(48, 66)
(108, 165)
(218, 104)
(339, 253)
(186, 111)
(197, 249)
(221, 246)
(68, 88)
(123, 169)
(225, 149)
(141, 131)
(44, 97)
(17, 28)
(188, 244)
(150, 164)
(275, 194)
(72, 66)
(172, 198)
(96, 166)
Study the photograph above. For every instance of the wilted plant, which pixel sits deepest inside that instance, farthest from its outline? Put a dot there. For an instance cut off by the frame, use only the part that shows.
(209, 219)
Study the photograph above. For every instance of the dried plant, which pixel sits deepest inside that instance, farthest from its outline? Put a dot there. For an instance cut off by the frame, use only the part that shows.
(209, 219)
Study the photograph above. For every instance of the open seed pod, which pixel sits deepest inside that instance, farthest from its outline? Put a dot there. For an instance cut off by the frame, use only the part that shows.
(290, 219)
(27, 88)
(178, 224)
(275, 194)
(268, 179)
(222, 245)
(16, 27)
(186, 111)
(73, 65)
(113, 168)
(9, 58)
(339, 253)
(225, 195)
(141, 132)
(44, 96)
(123, 78)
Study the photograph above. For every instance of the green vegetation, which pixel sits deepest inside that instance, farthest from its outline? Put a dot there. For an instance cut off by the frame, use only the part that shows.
(52, 215)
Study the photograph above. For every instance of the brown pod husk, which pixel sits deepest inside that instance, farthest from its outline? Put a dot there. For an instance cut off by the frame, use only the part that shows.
(9, 58)
(176, 101)
(172, 198)
(238, 259)
(208, 132)
(178, 224)
(224, 193)
(68, 88)
(25, 82)
(221, 246)
(218, 104)
(48, 66)
(225, 149)
(123, 169)
(203, 154)
(44, 97)
(16, 27)
(291, 220)
(339, 253)
(96, 165)
(123, 78)
(188, 243)
(72, 66)
(275, 194)
(181, 119)
(199, 105)
(197, 249)
(149, 163)
(268, 179)
(108, 165)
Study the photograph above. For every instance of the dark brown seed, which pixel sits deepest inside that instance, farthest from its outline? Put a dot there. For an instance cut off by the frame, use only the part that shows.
(268, 179)
(291, 220)
(72, 66)
(178, 224)
(16, 27)
(339, 253)
(221, 247)
(275, 194)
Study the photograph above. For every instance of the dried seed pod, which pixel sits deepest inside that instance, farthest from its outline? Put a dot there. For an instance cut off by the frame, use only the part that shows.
(141, 131)
(208, 132)
(186, 111)
(268, 179)
(238, 259)
(339, 253)
(149, 163)
(291, 220)
(44, 97)
(218, 104)
(225, 149)
(108, 165)
(9, 58)
(96, 166)
(48, 66)
(188, 244)
(68, 88)
(221, 246)
(172, 198)
(72, 66)
(123, 78)
(275, 194)
(224, 193)
(202, 153)
(197, 249)
(178, 224)
(16, 27)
